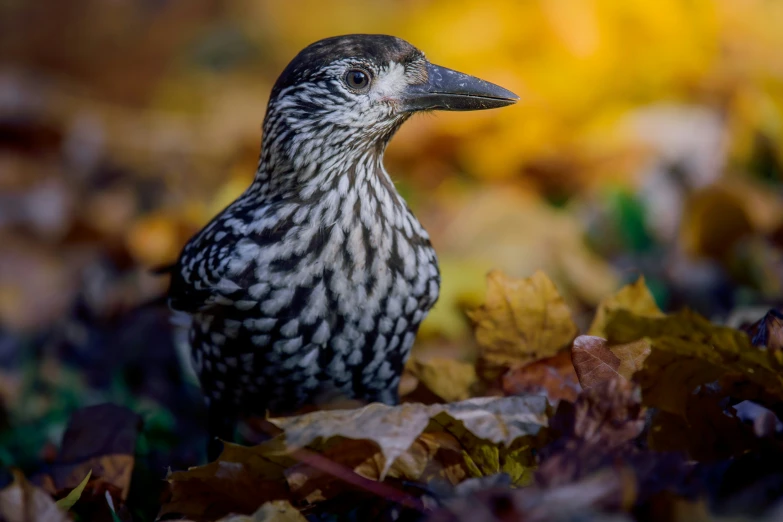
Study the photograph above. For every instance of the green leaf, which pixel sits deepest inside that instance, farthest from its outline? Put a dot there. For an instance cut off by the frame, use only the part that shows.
(67, 502)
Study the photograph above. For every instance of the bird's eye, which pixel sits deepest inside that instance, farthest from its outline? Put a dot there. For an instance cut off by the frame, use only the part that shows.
(357, 79)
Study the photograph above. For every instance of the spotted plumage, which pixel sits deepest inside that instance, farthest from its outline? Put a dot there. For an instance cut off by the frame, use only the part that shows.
(311, 286)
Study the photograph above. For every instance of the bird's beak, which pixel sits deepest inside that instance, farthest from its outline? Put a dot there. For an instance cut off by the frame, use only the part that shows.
(449, 90)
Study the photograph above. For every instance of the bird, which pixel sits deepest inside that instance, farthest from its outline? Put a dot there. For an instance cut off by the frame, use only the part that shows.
(310, 287)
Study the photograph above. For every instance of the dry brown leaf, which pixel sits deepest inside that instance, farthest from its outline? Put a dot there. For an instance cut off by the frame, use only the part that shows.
(596, 362)
(609, 414)
(592, 431)
(588, 500)
(521, 321)
(554, 377)
(635, 298)
(395, 428)
(23, 502)
(707, 432)
(311, 484)
(688, 351)
(410, 441)
(238, 482)
(432, 455)
(449, 379)
(768, 331)
(101, 439)
(717, 216)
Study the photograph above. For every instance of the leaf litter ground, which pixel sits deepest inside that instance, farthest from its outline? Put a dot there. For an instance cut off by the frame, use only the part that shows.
(649, 417)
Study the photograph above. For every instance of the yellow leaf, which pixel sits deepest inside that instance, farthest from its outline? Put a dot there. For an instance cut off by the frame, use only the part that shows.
(635, 298)
(521, 321)
(69, 500)
(449, 379)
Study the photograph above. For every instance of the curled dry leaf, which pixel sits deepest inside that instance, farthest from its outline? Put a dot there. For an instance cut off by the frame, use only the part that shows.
(597, 362)
(592, 431)
(636, 298)
(607, 415)
(22, 502)
(521, 321)
(768, 331)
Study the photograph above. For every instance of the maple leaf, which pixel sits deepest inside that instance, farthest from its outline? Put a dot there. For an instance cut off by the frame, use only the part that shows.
(635, 298)
(521, 321)
(688, 351)
(449, 379)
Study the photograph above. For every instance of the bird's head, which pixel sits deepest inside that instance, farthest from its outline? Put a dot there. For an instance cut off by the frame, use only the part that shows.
(351, 93)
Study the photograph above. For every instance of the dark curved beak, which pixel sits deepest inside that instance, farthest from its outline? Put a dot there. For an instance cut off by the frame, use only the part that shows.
(449, 90)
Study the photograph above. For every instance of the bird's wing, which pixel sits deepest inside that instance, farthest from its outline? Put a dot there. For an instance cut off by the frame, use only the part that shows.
(200, 279)
(192, 288)
(218, 269)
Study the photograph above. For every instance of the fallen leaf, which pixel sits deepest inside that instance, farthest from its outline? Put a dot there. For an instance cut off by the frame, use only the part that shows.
(67, 502)
(554, 377)
(275, 511)
(609, 414)
(591, 431)
(99, 439)
(432, 455)
(767, 331)
(717, 216)
(449, 379)
(635, 298)
(688, 351)
(586, 500)
(521, 321)
(238, 482)
(23, 502)
(436, 455)
(395, 428)
(413, 442)
(708, 431)
(596, 362)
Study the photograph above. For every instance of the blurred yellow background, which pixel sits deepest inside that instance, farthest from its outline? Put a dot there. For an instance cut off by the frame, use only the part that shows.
(648, 139)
